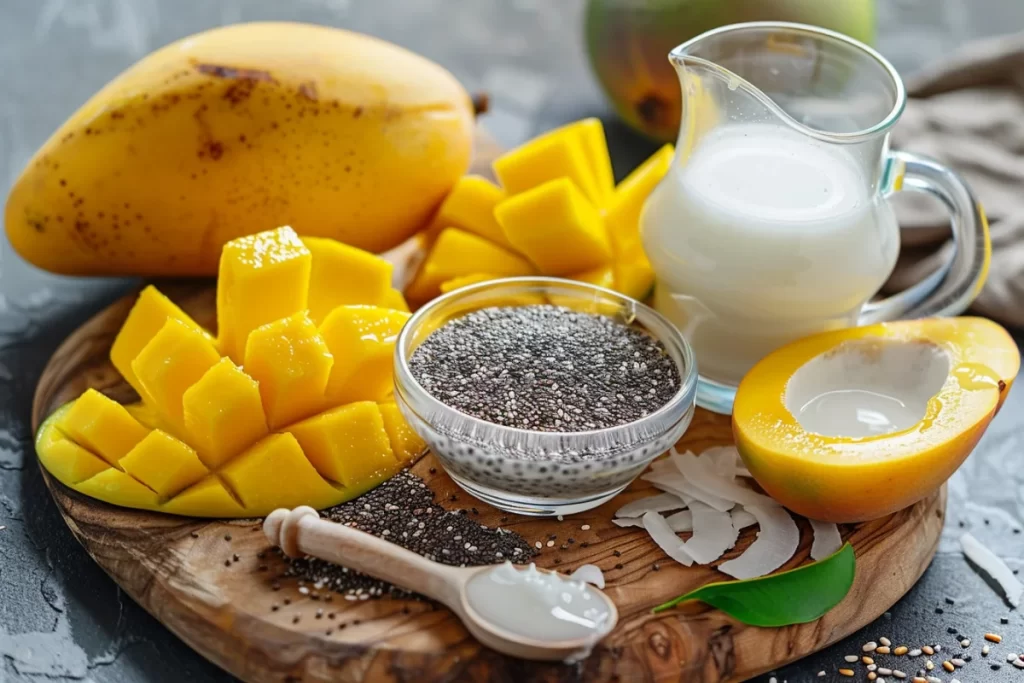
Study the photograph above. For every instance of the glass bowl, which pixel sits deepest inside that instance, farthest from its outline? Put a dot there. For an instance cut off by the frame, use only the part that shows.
(535, 472)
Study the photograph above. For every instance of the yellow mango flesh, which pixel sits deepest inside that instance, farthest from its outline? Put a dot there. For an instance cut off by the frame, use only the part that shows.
(470, 207)
(362, 341)
(263, 278)
(291, 363)
(275, 473)
(602, 276)
(405, 442)
(394, 300)
(457, 252)
(342, 275)
(102, 426)
(556, 228)
(559, 154)
(163, 464)
(465, 280)
(223, 413)
(237, 128)
(348, 444)
(623, 214)
(213, 438)
(852, 479)
(148, 315)
(633, 273)
(173, 360)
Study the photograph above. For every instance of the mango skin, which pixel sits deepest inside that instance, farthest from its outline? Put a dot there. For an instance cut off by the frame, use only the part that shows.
(236, 130)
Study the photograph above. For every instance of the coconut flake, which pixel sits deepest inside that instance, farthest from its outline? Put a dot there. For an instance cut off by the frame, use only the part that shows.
(826, 539)
(679, 522)
(666, 539)
(742, 471)
(662, 502)
(628, 521)
(741, 519)
(701, 475)
(713, 534)
(724, 459)
(777, 541)
(589, 573)
(676, 483)
(992, 565)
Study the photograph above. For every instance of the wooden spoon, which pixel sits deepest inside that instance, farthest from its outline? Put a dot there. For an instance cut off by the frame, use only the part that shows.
(301, 532)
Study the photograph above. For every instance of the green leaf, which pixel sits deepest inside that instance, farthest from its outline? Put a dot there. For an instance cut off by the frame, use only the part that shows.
(792, 597)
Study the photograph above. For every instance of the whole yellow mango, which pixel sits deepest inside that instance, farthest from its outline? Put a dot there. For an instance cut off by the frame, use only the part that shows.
(236, 130)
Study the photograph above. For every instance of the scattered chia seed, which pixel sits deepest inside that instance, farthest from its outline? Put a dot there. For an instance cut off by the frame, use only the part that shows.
(545, 368)
(400, 503)
(227, 537)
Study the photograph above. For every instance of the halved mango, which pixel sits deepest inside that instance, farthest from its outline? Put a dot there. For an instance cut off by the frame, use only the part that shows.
(855, 424)
(164, 464)
(362, 341)
(406, 444)
(291, 363)
(348, 444)
(555, 155)
(457, 252)
(262, 278)
(223, 413)
(341, 275)
(102, 426)
(275, 473)
(555, 227)
(114, 485)
(470, 207)
(207, 498)
(149, 313)
(173, 360)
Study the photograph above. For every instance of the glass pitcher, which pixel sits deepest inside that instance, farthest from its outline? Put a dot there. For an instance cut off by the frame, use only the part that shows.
(773, 221)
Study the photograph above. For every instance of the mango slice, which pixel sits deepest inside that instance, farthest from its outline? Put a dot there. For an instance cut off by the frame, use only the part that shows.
(595, 149)
(348, 444)
(295, 424)
(457, 252)
(465, 280)
(223, 413)
(163, 464)
(173, 360)
(470, 207)
(362, 342)
(556, 228)
(623, 214)
(633, 273)
(103, 426)
(275, 473)
(291, 363)
(602, 276)
(342, 275)
(262, 278)
(65, 459)
(148, 315)
(405, 442)
(555, 155)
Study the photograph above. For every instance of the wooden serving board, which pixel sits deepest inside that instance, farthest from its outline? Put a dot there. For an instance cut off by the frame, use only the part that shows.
(175, 568)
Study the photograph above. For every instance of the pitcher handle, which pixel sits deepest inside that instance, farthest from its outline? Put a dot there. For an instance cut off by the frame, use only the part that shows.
(951, 288)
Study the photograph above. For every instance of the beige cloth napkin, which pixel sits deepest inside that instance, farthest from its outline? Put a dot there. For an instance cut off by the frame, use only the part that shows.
(968, 112)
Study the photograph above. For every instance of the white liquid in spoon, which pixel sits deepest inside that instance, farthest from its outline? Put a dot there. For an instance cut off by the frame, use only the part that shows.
(543, 606)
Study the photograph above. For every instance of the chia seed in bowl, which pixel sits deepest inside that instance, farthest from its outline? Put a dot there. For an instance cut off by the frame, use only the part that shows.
(543, 396)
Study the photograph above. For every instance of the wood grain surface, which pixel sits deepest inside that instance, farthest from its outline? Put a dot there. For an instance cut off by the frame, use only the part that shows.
(175, 568)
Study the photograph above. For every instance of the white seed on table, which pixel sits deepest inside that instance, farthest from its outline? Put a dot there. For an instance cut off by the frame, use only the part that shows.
(872, 666)
(1011, 656)
(966, 642)
(773, 679)
(822, 674)
(882, 671)
(928, 650)
(898, 674)
(885, 641)
(1019, 664)
(933, 679)
(914, 653)
(851, 658)
(869, 646)
(929, 664)
(938, 648)
(985, 650)
(957, 662)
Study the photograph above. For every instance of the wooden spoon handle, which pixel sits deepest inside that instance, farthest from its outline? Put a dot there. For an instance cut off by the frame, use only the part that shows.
(301, 532)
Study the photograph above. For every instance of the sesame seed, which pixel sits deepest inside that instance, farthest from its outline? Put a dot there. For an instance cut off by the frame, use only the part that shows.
(993, 638)
(957, 662)
(882, 650)
(867, 660)
(898, 674)
(869, 646)
(851, 658)
(1010, 656)
(985, 649)
(872, 666)
(885, 641)
(900, 650)
(872, 675)
(585, 527)
(928, 650)
(966, 642)
(882, 671)
(929, 664)
(846, 672)
(948, 666)
(822, 674)
(916, 652)
(1018, 663)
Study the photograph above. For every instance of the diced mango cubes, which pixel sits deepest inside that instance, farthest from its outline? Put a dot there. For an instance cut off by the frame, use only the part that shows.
(470, 207)
(224, 413)
(262, 278)
(602, 276)
(341, 275)
(623, 216)
(148, 315)
(291, 363)
(348, 444)
(163, 464)
(174, 359)
(466, 280)
(457, 252)
(556, 155)
(362, 342)
(294, 424)
(556, 228)
(276, 473)
(103, 426)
